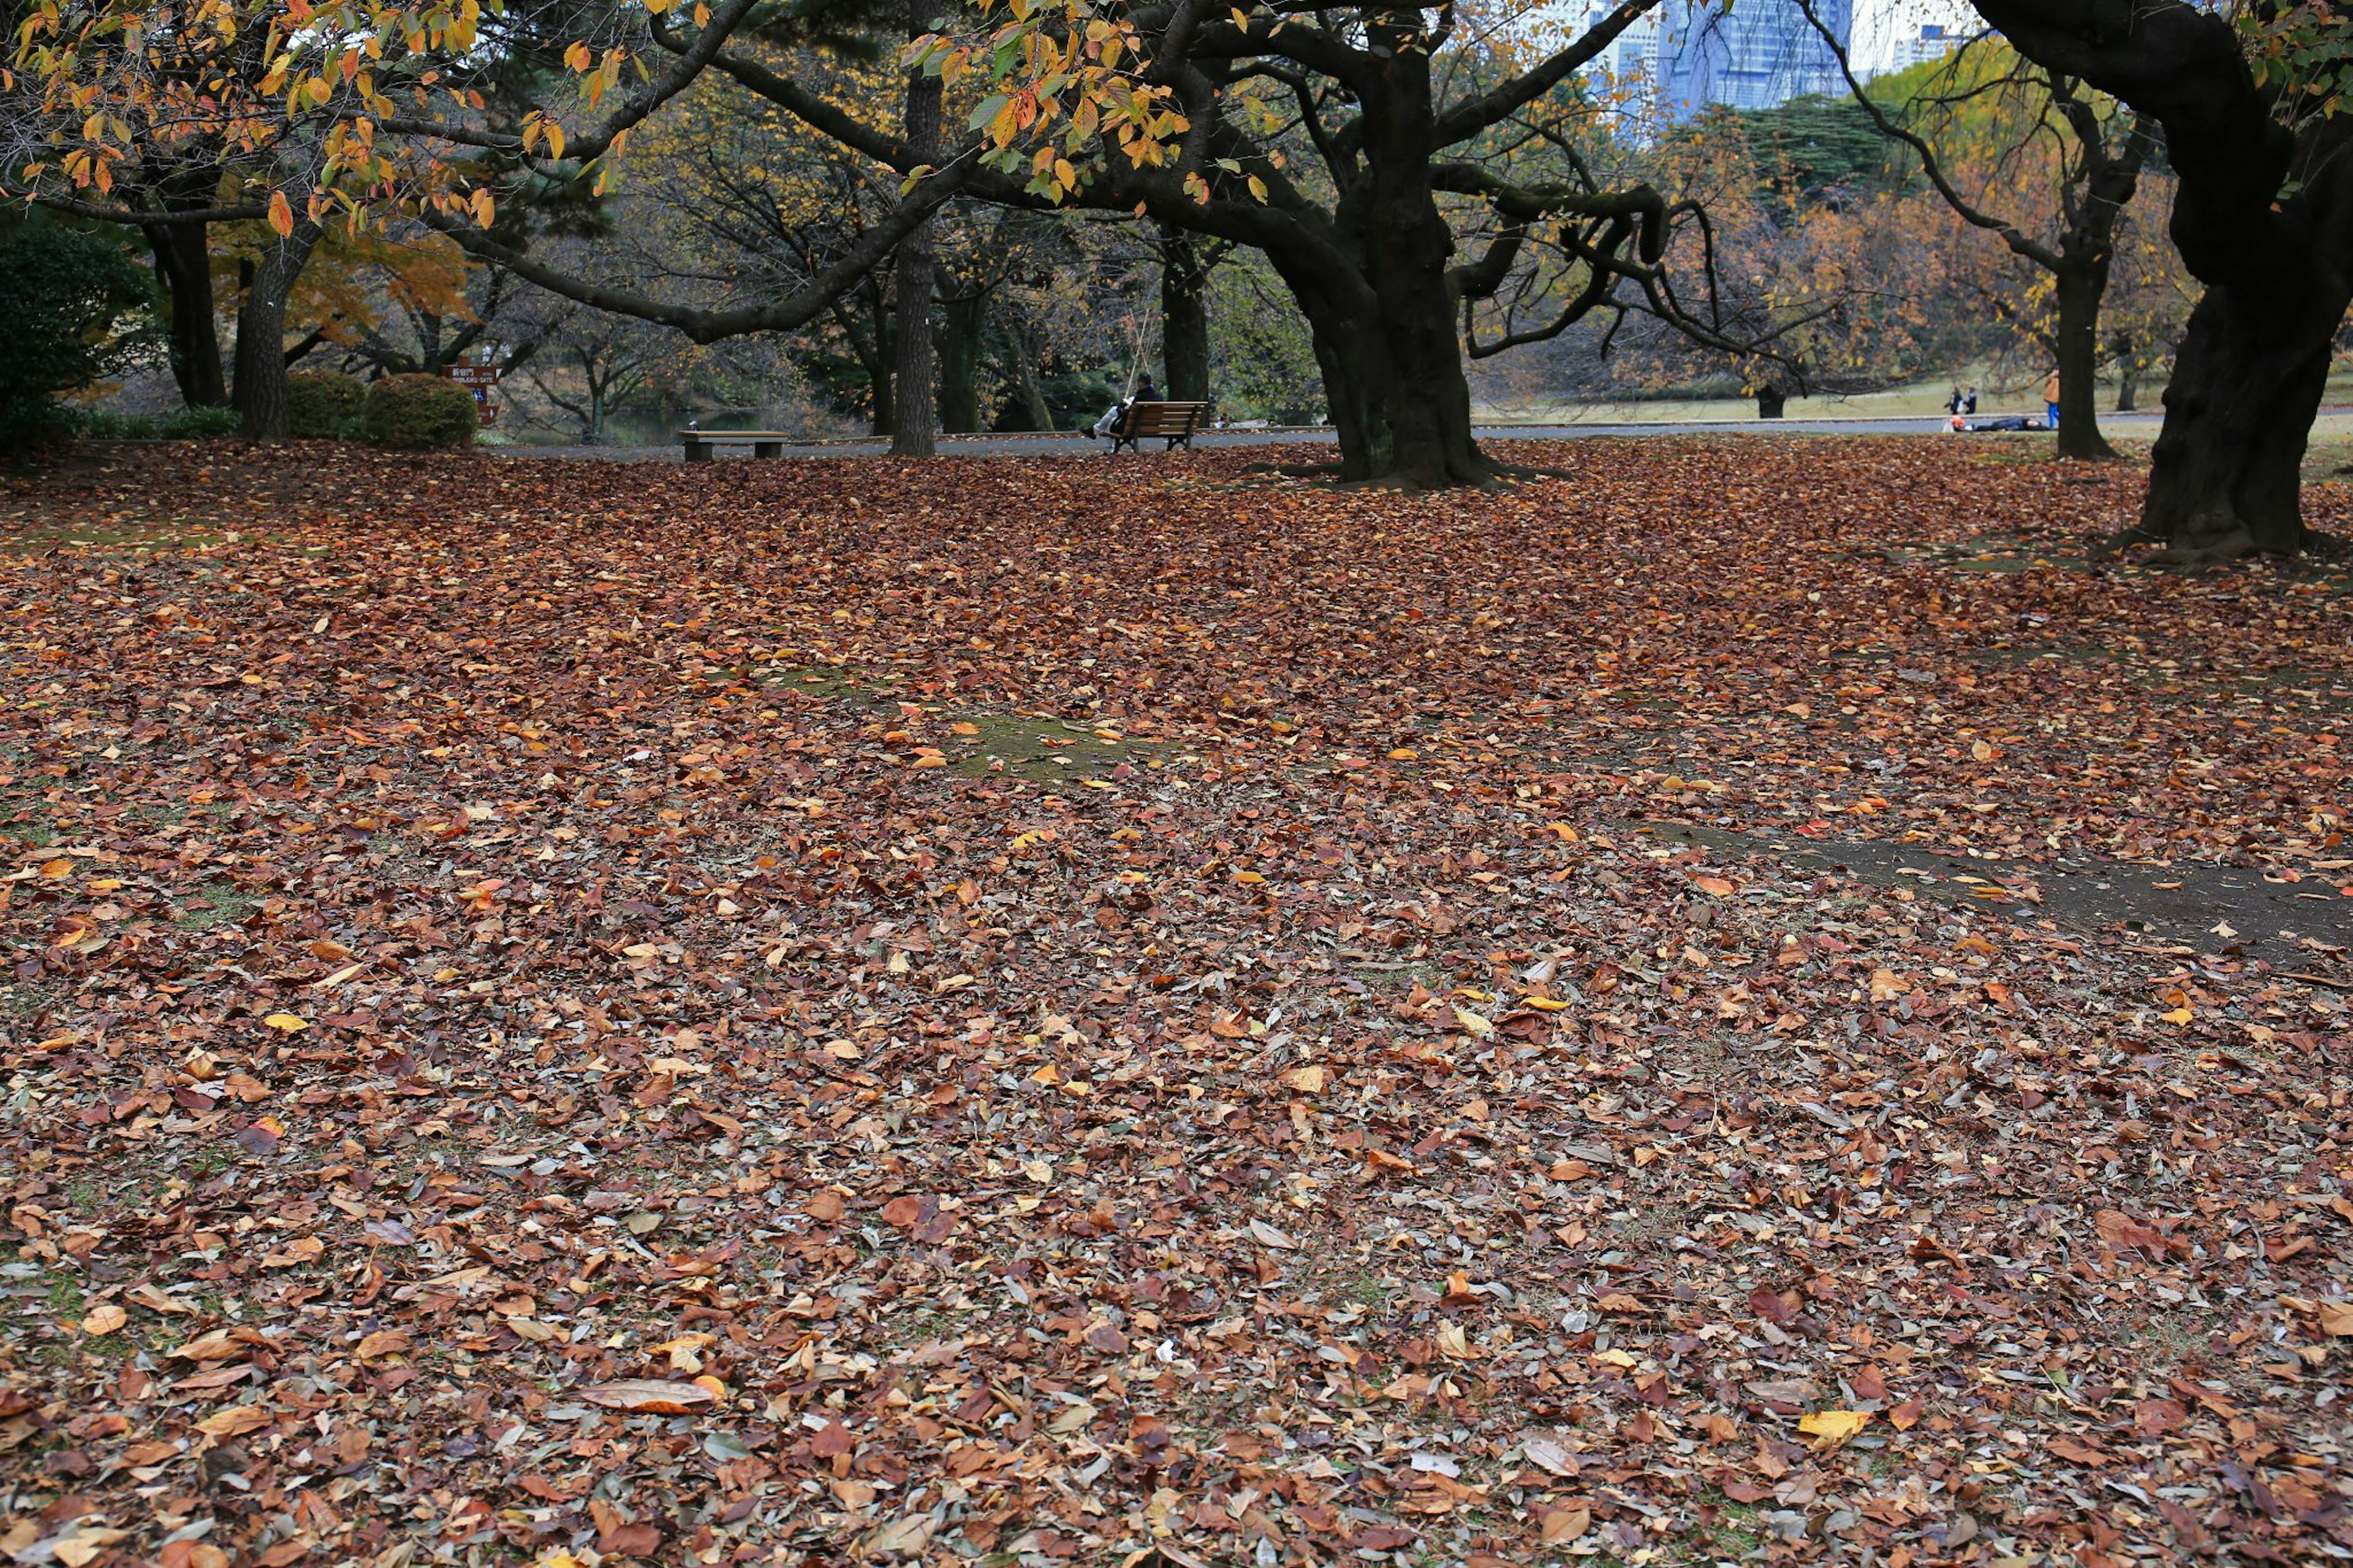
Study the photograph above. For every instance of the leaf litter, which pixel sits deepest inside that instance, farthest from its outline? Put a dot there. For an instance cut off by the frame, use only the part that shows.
(497, 1077)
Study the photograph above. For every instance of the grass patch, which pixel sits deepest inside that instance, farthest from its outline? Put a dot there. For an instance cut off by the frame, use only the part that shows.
(217, 904)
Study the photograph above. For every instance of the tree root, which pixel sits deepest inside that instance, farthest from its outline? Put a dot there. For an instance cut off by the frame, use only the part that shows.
(2124, 539)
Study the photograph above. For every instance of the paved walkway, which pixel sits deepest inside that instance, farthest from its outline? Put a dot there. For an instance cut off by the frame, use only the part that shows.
(1076, 445)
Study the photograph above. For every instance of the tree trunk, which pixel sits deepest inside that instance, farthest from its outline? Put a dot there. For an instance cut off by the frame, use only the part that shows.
(1183, 315)
(2263, 216)
(183, 262)
(1772, 402)
(2126, 389)
(260, 385)
(1029, 396)
(911, 370)
(2227, 473)
(1386, 337)
(963, 317)
(2079, 288)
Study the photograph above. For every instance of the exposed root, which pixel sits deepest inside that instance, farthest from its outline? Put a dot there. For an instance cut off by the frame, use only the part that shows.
(2124, 539)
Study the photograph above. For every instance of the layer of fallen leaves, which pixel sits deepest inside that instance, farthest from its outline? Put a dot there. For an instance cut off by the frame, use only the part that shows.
(522, 1048)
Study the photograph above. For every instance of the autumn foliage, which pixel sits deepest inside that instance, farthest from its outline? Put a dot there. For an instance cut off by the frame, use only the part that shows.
(807, 1009)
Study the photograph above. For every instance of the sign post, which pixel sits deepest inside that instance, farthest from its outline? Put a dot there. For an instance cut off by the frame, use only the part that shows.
(482, 380)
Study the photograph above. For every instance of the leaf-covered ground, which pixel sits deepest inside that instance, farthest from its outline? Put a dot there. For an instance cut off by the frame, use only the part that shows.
(1019, 1012)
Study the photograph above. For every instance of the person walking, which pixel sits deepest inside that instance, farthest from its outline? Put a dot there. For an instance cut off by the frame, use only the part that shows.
(2051, 397)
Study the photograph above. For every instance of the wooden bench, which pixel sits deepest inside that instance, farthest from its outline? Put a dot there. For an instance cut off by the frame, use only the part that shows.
(703, 446)
(1172, 422)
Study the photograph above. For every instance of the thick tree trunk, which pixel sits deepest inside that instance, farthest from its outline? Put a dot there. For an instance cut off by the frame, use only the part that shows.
(260, 384)
(2263, 216)
(1183, 315)
(2227, 473)
(2079, 288)
(1394, 384)
(911, 369)
(1386, 338)
(183, 262)
(962, 318)
(2127, 391)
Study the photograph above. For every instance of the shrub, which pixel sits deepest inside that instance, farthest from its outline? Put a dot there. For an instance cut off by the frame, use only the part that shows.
(106, 425)
(66, 300)
(419, 411)
(186, 424)
(323, 404)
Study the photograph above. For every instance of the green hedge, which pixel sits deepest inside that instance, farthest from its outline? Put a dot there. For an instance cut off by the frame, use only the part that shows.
(419, 411)
(323, 404)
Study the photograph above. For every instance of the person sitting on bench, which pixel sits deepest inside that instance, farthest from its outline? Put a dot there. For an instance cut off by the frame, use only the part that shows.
(1144, 393)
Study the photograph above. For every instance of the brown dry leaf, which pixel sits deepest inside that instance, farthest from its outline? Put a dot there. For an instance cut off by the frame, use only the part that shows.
(1271, 1236)
(657, 1396)
(229, 1423)
(104, 1319)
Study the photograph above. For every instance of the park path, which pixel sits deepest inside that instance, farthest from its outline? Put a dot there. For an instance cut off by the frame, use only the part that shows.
(1076, 444)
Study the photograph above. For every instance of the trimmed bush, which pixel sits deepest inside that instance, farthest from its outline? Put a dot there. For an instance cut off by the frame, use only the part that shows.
(419, 411)
(323, 404)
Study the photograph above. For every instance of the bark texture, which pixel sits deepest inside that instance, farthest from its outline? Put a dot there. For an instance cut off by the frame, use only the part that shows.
(260, 382)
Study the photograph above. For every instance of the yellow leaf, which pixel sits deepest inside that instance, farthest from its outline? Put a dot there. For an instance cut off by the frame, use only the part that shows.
(1307, 1080)
(281, 217)
(1544, 1004)
(578, 57)
(1832, 1428)
(286, 1023)
(1472, 1024)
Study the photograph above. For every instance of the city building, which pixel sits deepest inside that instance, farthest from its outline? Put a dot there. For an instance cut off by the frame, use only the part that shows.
(1934, 42)
(1630, 57)
(1753, 55)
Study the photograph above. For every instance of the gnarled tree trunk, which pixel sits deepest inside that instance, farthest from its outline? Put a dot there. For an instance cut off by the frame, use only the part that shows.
(1384, 329)
(2227, 473)
(2263, 218)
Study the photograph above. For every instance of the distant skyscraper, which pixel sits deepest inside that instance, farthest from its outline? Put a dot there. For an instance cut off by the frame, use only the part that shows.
(1934, 42)
(1628, 59)
(1757, 54)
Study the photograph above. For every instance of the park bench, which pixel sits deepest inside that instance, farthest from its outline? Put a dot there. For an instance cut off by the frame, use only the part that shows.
(1172, 422)
(703, 446)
